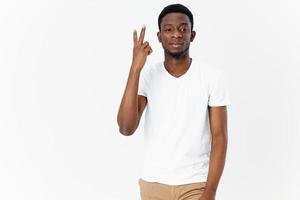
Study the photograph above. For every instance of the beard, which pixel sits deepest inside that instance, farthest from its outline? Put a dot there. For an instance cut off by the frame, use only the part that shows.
(177, 55)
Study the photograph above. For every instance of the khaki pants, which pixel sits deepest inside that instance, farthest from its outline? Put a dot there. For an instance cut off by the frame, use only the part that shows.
(159, 191)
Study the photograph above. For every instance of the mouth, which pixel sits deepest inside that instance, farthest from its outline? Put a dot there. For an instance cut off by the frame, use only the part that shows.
(176, 45)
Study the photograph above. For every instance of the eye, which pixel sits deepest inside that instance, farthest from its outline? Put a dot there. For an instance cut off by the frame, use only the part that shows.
(183, 29)
(167, 29)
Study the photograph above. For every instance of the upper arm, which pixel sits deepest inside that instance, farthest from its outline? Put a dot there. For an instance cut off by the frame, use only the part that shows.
(218, 121)
(142, 102)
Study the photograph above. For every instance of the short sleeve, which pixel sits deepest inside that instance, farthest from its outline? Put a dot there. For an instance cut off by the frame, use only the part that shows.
(142, 89)
(218, 92)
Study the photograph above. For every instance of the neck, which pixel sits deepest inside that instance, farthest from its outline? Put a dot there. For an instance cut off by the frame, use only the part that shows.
(177, 65)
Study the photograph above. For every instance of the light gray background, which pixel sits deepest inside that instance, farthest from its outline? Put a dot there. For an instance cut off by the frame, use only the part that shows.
(63, 69)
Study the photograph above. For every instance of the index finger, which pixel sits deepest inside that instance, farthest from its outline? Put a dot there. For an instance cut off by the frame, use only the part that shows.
(142, 35)
(135, 40)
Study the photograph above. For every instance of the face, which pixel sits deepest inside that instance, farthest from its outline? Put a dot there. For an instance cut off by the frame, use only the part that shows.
(175, 34)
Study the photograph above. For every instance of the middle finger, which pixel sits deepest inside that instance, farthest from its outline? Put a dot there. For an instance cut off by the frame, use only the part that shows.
(142, 35)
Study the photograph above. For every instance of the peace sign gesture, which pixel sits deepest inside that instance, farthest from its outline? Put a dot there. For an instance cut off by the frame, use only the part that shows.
(141, 49)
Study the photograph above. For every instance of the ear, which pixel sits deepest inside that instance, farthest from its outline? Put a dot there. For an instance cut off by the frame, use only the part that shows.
(159, 36)
(193, 35)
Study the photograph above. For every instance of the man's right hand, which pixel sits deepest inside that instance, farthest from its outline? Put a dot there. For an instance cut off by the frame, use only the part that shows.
(141, 50)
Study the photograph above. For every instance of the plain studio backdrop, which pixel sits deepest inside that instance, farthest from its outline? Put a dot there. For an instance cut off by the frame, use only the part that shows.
(63, 69)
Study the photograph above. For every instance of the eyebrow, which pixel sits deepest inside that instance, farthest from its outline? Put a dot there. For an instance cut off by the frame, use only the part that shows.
(184, 23)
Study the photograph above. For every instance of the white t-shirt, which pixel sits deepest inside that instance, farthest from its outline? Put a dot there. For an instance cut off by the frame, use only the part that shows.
(177, 134)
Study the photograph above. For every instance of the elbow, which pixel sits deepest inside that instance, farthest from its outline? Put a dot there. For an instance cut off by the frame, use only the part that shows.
(126, 132)
(127, 128)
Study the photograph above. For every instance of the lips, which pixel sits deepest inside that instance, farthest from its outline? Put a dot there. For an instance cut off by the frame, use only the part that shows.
(176, 44)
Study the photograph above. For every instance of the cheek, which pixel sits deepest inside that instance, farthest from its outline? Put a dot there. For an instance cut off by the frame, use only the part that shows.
(188, 36)
(164, 39)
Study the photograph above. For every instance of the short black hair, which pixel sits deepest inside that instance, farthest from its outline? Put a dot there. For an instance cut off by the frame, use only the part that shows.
(176, 8)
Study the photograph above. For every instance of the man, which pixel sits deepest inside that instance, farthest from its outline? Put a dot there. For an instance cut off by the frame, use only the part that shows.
(185, 129)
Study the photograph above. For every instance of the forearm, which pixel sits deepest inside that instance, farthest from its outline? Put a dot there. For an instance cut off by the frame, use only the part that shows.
(128, 110)
(217, 162)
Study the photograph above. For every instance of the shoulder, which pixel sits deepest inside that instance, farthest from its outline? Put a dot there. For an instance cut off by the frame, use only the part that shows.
(209, 69)
(151, 69)
(208, 72)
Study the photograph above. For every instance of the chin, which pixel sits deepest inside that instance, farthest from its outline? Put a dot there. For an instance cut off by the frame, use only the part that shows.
(176, 54)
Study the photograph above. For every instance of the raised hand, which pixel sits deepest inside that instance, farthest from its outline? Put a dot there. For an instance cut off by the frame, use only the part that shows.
(141, 50)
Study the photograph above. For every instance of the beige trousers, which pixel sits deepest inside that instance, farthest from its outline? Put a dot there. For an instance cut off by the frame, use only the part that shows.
(160, 191)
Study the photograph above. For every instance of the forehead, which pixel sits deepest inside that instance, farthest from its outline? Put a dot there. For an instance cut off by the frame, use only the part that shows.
(175, 19)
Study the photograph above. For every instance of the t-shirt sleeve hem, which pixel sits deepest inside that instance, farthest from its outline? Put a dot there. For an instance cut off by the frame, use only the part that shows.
(142, 94)
(219, 104)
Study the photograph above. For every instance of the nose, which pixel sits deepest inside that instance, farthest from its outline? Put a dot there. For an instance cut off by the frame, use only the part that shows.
(176, 34)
